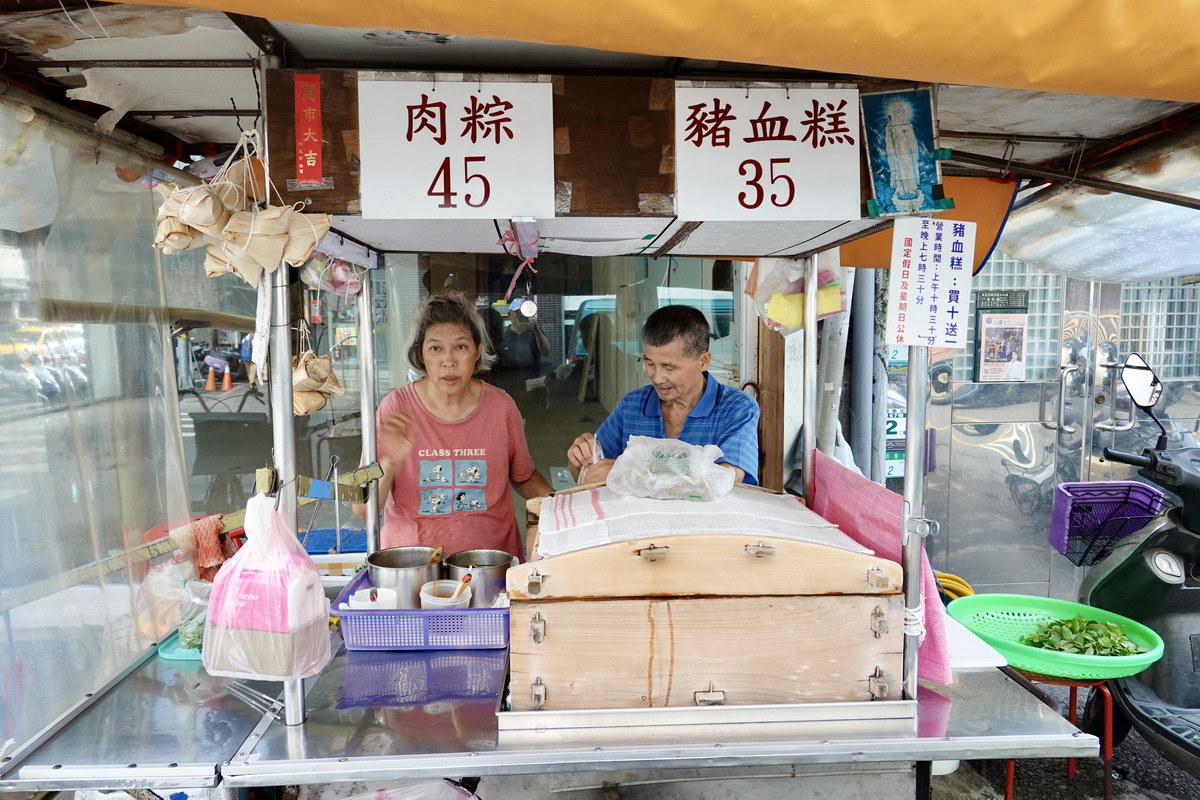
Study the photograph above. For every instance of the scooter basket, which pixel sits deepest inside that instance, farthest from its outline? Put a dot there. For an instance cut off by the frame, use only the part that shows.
(1002, 619)
(1089, 518)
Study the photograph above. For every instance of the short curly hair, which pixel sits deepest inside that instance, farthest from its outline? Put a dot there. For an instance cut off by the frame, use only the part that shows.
(453, 308)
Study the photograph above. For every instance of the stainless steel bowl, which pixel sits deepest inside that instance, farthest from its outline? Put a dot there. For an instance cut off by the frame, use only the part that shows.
(487, 568)
(405, 569)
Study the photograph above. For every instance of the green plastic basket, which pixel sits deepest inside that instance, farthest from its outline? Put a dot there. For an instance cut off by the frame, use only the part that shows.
(1002, 619)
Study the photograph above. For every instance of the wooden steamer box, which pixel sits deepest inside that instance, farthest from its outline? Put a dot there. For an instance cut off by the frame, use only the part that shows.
(701, 620)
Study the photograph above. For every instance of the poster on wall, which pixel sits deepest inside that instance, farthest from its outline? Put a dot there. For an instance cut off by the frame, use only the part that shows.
(473, 150)
(900, 143)
(1001, 355)
(766, 154)
(929, 283)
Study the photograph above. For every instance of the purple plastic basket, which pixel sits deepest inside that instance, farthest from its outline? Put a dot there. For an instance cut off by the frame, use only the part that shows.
(1089, 518)
(453, 629)
(372, 679)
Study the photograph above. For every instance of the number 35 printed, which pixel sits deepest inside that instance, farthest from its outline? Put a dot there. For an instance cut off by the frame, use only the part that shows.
(473, 185)
(783, 189)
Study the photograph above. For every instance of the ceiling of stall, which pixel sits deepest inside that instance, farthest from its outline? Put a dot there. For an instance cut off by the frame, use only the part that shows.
(185, 78)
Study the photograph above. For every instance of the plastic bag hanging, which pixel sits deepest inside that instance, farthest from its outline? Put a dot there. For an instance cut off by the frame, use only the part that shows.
(268, 618)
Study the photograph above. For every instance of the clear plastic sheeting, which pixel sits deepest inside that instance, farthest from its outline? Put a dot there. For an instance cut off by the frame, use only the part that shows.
(1111, 237)
(94, 457)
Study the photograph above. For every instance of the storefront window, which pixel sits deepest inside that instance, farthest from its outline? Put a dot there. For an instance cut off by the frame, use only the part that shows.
(589, 311)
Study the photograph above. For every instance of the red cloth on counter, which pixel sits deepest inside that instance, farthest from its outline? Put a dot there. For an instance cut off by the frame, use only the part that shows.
(873, 516)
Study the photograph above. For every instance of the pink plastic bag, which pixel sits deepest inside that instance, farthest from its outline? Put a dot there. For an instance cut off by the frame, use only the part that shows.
(873, 516)
(268, 618)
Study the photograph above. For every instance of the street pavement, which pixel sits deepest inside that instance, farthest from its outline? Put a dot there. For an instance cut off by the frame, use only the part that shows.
(1139, 773)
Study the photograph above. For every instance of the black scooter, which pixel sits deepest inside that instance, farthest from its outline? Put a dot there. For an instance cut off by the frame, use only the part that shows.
(1153, 576)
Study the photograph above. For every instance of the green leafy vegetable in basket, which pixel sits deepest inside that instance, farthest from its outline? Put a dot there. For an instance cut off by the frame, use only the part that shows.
(1084, 636)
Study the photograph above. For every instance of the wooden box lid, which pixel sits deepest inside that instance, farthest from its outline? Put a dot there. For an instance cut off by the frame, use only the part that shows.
(703, 565)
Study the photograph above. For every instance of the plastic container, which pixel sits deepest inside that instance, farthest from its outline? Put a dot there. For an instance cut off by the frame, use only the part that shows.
(405, 629)
(1002, 619)
(1089, 518)
(384, 599)
(436, 595)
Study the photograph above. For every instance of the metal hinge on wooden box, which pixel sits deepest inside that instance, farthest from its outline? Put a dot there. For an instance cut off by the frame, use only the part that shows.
(704, 620)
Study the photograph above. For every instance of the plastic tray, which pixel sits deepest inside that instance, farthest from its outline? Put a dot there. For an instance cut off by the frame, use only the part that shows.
(1089, 518)
(455, 629)
(1002, 619)
(169, 649)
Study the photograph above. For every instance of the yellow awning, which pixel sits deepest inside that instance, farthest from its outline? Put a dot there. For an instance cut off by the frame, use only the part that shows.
(980, 200)
(1127, 48)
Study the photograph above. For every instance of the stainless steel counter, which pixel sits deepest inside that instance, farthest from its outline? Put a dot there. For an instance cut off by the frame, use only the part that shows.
(168, 725)
(390, 715)
(386, 716)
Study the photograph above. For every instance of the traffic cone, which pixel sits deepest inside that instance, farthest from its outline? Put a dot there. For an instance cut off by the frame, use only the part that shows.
(227, 381)
(210, 384)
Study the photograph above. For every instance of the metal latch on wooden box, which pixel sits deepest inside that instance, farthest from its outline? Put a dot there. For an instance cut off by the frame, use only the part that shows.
(537, 693)
(652, 553)
(710, 697)
(879, 623)
(877, 578)
(760, 550)
(876, 685)
(535, 581)
(537, 628)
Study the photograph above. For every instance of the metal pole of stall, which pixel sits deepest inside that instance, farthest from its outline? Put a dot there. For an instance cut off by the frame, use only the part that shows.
(284, 442)
(916, 526)
(280, 392)
(862, 367)
(808, 429)
(366, 375)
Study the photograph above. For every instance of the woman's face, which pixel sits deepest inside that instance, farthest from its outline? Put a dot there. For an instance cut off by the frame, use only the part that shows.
(449, 353)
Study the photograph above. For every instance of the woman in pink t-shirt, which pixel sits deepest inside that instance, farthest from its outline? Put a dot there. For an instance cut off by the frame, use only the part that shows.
(449, 444)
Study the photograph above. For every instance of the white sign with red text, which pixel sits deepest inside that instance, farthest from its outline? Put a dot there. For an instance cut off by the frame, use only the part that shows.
(456, 150)
(929, 283)
(767, 154)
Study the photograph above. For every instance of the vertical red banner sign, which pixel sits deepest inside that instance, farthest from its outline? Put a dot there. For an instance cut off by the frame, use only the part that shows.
(308, 129)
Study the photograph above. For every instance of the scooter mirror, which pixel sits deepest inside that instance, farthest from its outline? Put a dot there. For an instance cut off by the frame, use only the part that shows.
(1140, 381)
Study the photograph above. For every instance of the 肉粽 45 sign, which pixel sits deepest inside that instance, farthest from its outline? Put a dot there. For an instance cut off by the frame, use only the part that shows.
(767, 154)
(455, 150)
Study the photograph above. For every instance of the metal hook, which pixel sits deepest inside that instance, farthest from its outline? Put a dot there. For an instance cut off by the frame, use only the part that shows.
(747, 90)
(787, 91)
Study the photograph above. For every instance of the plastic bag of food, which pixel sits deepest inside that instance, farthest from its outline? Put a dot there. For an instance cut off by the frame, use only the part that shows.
(268, 618)
(195, 613)
(160, 598)
(669, 469)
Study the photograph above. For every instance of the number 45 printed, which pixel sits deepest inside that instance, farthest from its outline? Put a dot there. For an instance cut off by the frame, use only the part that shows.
(444, 182)
(445, 150)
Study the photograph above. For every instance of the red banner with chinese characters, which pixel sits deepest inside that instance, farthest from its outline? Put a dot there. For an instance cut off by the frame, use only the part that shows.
(308, 129)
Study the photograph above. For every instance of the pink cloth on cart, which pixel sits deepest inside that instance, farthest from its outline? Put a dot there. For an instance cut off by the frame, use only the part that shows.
(874, 516)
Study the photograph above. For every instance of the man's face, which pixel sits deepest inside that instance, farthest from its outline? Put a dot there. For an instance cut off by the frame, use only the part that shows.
(675, 376)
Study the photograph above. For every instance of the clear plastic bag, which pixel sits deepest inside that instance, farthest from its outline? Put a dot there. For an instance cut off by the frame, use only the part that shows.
(195, 613)
(268, 618)
(160, 598)
(779, 293)
(668, 469)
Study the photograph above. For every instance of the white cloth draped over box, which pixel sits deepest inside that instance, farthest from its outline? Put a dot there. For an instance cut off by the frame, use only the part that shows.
(577, 520)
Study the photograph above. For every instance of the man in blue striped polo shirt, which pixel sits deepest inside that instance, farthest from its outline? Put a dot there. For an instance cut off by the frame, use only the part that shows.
(682, 402)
